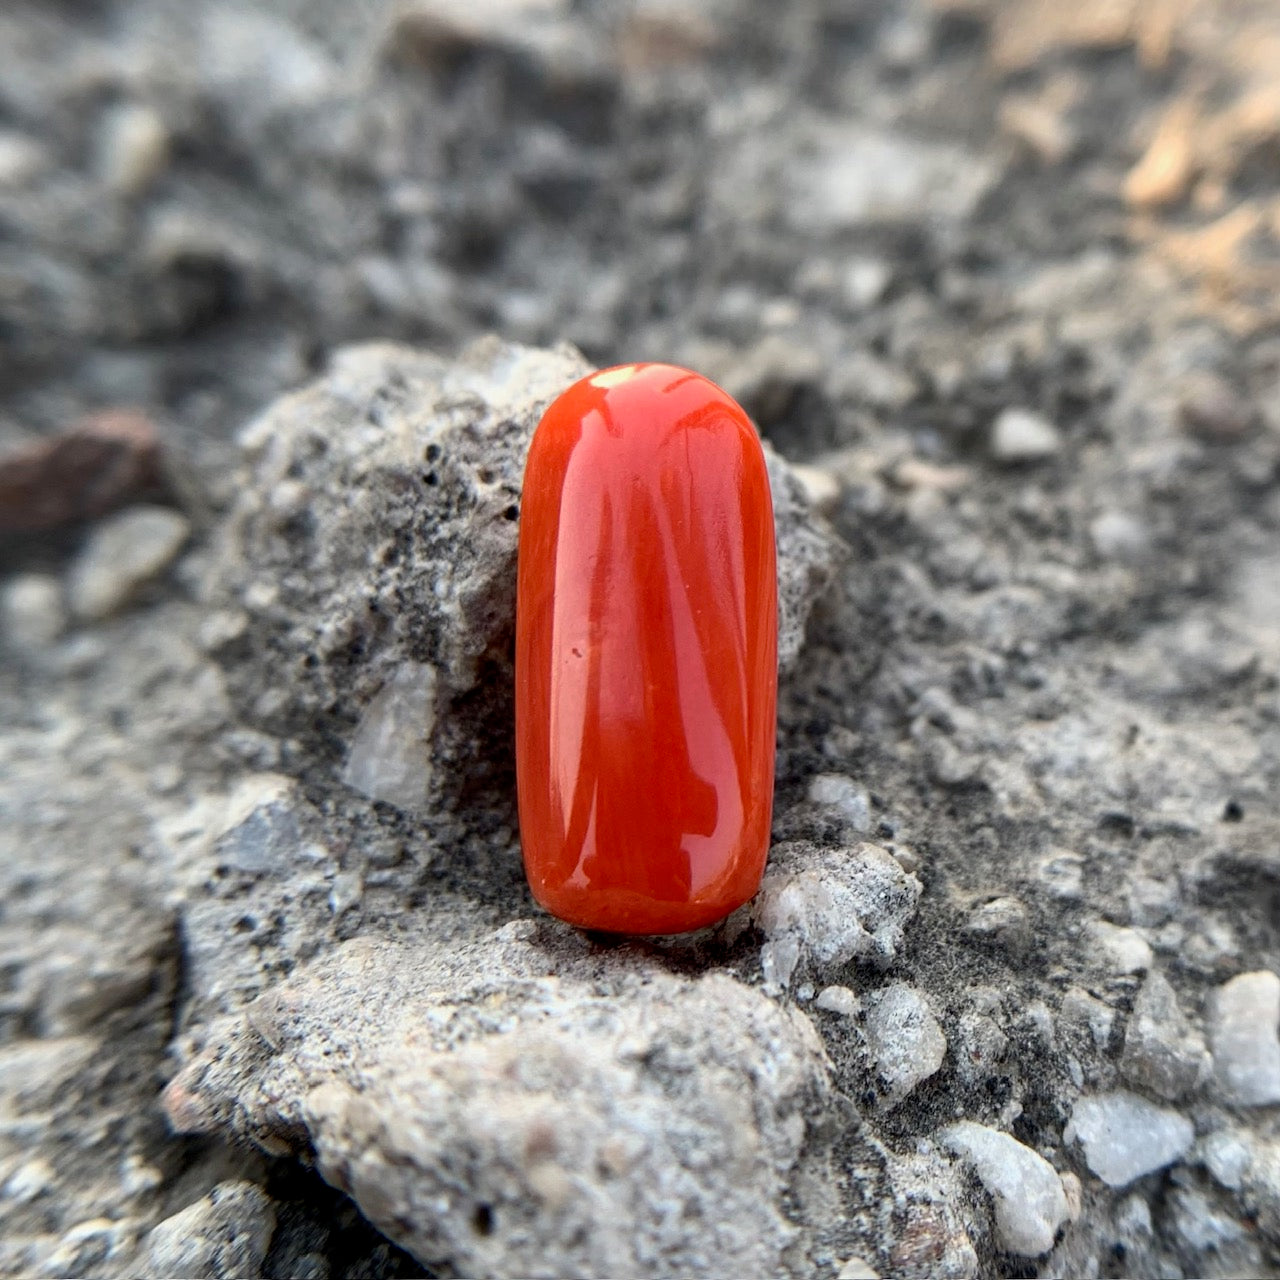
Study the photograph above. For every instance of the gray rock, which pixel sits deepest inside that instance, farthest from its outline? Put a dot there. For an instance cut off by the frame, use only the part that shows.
(827, 907)
(522, 1103)
(654, 178)
(1244, 1022)
(1087, 1018)
(1163, 1052)
(1211, 1228)
(905, 1044)
(253, 865)
(1125, 1137)
(1019, 436)
(122, 555)
(808, 554)
(374, 536)
(1117, 949)
(1026, 1192)
(224, 1236)
(1227, 1155)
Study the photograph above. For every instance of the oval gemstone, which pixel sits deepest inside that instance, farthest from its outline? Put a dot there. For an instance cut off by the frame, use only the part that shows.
(646, 653)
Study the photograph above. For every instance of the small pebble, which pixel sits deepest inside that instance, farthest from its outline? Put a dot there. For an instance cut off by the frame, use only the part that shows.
(33, 613)
(1003, 921)
(866, 280)
(1227, 1156)
(1125, 1137)
(1162, 1051)
(1027, 1194)
(1116, 535)
(21, 159)
(1018, 435)
(841, 1000)
(1118, 949)
(857, 1269)
(29, 1181)
(844, 797)
(1211, 408)
(133, 147)
(819, 485)
(1088, 1016)
(1244, 1020)
(390, 757)
(904, 1040)
(123, 554)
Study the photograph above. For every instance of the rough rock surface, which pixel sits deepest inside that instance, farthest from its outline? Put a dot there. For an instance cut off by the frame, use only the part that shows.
(522, 1105)
(1028, 731)
(367, 568)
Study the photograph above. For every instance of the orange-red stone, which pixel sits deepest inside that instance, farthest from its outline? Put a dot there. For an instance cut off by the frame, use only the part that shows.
(646, 654)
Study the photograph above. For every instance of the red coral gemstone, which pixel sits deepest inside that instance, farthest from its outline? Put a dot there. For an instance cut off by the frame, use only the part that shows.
(646, 654)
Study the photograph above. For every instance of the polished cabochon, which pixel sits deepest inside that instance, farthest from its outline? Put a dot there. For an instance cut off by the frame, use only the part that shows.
(646, 653)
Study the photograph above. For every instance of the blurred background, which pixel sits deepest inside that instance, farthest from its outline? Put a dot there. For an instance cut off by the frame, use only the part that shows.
(846, 209)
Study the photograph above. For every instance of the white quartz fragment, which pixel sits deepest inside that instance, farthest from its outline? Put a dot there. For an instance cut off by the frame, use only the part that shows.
(1245, 1016)
(841, 1000)
(1124, 1136)
(390, 757)
(1026, 1192)
(1018, 435)
(904, 1040)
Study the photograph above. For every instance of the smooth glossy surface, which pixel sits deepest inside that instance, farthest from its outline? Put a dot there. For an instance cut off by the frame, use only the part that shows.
(646, 654)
